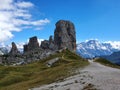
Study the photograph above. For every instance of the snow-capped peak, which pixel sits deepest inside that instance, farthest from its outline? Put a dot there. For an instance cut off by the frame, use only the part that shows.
(114, 44)
(92, 48)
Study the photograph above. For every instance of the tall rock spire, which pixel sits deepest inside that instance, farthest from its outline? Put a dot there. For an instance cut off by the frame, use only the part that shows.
(14, 49)
(65, 35)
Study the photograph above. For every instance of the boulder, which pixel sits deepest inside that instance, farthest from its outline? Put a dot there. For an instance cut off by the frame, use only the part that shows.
(65, 35)
(52, 61)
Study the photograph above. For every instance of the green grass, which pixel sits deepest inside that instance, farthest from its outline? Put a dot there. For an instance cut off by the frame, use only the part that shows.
(37, 73)
(106, 63)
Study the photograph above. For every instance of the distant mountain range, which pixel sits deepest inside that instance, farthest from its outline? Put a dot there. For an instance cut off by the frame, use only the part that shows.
(93, 48)
(114, 57)
(4, 50)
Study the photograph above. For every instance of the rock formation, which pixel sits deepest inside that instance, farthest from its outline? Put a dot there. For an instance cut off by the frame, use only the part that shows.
(33, 44)
(65, 35)
(25, 48)
(45, 44)
(48, 44)
(13, 56)
(51, 43)
(14, 50)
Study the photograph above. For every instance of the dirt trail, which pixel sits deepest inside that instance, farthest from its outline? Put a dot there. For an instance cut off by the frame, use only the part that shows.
(93, 77)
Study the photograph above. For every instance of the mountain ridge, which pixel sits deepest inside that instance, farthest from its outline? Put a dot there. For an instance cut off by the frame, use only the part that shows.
(93, 48)
(114, 57)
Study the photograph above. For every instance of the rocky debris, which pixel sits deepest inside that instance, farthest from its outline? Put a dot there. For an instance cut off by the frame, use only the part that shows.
(20, 63)
(14, 50)
(52, 61)
(36, 55)
(33, 44)
(65, 35)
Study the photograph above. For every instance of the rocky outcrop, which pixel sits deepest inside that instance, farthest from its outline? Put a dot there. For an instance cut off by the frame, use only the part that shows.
(25, 48)
(33, 44)
(13, 56)
(45, 44)
(65, 35)
(48, 44)
(51, 43)
(14, 50)
(34, 52)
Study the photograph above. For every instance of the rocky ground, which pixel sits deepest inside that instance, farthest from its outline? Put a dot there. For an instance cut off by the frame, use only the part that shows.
(93, 77)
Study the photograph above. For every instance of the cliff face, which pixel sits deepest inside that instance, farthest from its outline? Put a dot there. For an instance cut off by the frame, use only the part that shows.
(33, 44)
(65, 35)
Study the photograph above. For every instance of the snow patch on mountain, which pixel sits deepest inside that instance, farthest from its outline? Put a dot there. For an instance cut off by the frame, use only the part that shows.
(114, 44)
(92, 48)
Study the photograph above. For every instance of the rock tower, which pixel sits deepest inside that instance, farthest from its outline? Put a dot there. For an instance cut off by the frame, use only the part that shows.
(65, 35)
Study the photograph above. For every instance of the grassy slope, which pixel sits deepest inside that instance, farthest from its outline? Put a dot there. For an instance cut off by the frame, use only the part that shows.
(106, 63)
(34, 74)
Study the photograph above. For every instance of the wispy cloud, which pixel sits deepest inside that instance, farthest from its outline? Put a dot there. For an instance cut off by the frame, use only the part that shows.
(15, 16)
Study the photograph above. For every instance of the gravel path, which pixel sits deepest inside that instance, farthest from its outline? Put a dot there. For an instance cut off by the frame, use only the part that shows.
(93, 77)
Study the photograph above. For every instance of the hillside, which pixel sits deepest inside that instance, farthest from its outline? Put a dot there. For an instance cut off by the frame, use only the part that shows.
(114, 57)
(93, 77)
(27, 76)
(106, 62)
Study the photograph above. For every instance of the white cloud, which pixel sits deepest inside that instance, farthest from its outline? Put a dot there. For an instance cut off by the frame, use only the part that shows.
(15, 16)
(6, 4)
(24, 4)
(115, 44)
(40, 22)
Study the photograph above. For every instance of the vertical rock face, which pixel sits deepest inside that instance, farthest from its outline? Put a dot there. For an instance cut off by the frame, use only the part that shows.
(48, 44)
(14, 49)
(45, 44)
(51, 43)
(25, 48)
(33, 44)
(65, 35)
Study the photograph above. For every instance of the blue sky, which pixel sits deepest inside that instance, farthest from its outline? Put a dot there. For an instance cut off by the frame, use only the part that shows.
(93, 19)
